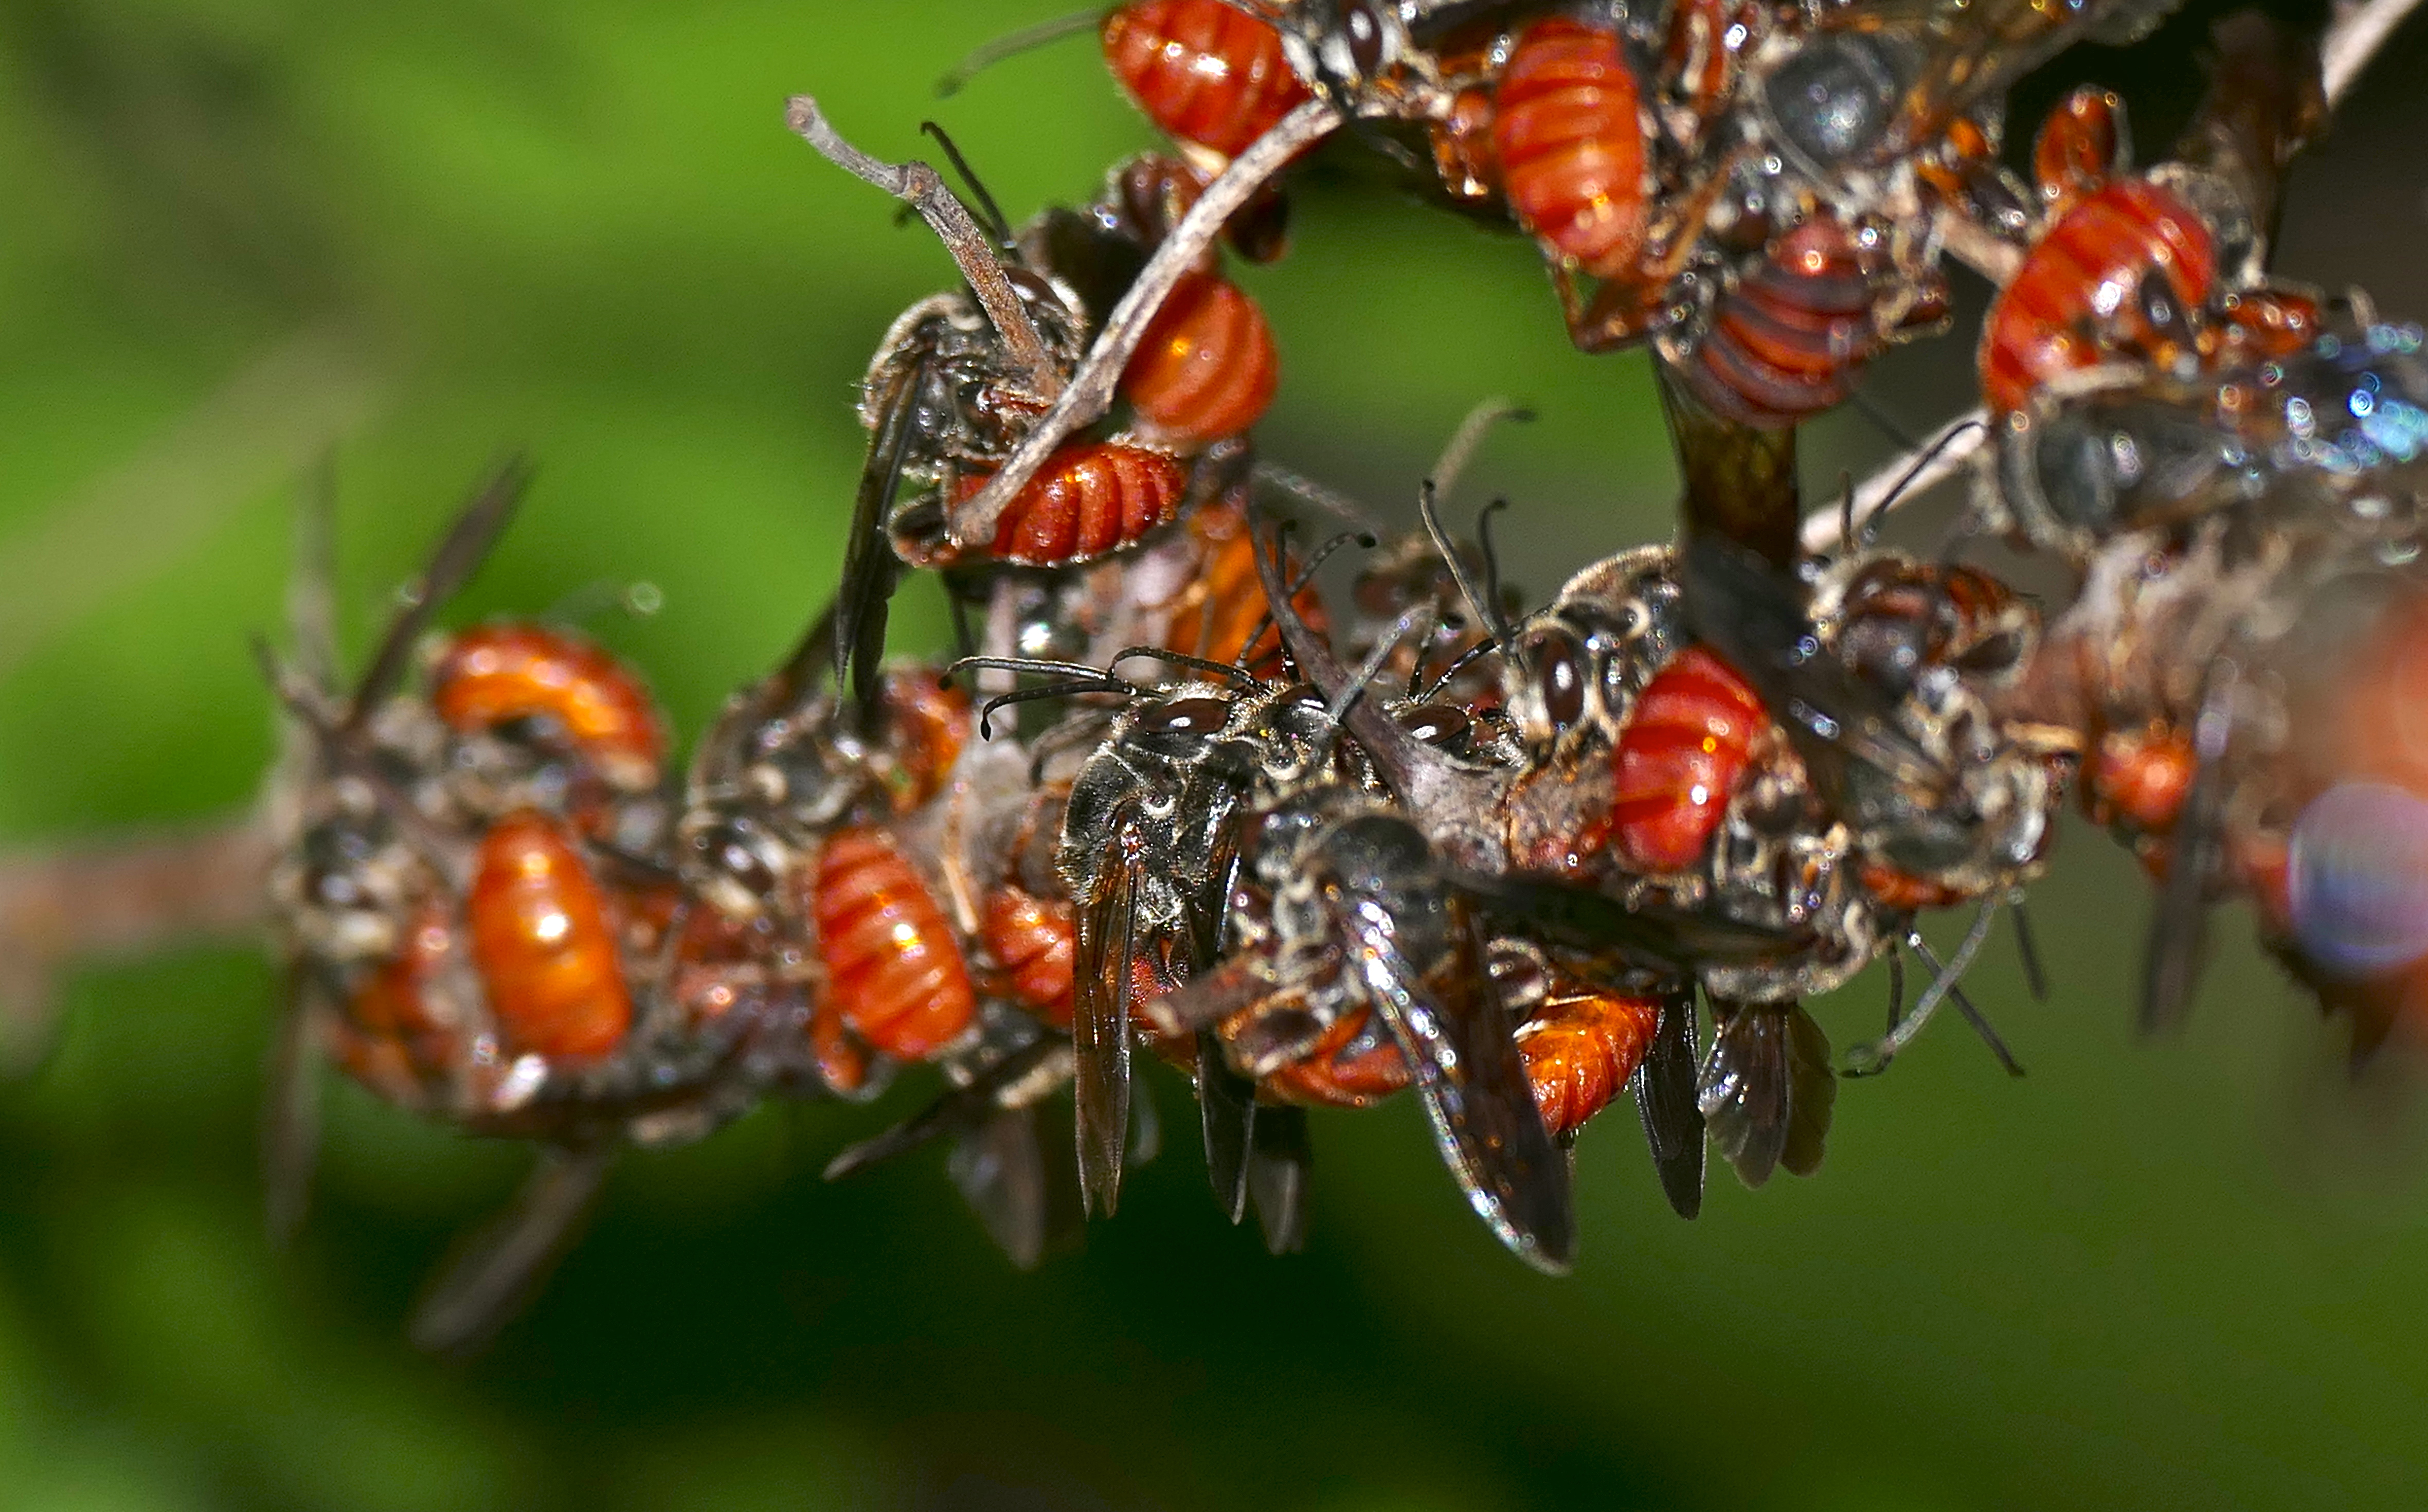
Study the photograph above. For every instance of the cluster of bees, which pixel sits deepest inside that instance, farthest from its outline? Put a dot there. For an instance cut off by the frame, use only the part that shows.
(1317, 851)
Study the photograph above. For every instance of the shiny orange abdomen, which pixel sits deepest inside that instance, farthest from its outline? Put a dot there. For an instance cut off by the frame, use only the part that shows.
(545, 943)
(2077, 298)
(391, 1037)
(2079, 147)
(2139, 778)
(928, 721)
(493, 674)
(1581, 1051)
(1568, 127)
(1033, 940)
(893, 968)
(1202, 71)
(1786, 342)
(1324, 1079)
(1685, 749)
(1206, 369)
(1088, 499)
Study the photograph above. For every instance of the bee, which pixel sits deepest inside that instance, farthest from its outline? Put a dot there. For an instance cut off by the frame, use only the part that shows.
(956, 390)
(478, 902)
(1359, 971)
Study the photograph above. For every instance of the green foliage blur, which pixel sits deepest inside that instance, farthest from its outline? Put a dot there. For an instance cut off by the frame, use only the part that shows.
(234, 234)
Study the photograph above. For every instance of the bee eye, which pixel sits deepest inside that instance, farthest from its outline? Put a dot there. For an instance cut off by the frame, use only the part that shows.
(1363, 29)
(1559, 674)
(1035, 292)
(1185, 717)
(1436, 724)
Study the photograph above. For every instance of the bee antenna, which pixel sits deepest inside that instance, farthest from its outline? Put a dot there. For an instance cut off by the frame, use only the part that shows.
(1010, 45)
(1416, 664)
(1488, 644)
(1452, 464)
(1051, 690)
(997, 222)
(1040, 665)
(1487, 615)
(1222, 670)
(919, 184)
(1491, 556)
(1306, 490)
(1365, 540)
(1906, 480)
(1874, 1058)
(1373, 668)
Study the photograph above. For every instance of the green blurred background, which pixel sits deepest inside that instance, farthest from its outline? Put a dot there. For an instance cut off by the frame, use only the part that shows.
(234, 233)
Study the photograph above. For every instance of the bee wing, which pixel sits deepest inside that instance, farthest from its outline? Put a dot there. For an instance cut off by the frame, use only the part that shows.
(476, 529)
(1227, 1113)
(290, 1114)
(1471, 1079)
(1277, 1172)
(1103, 958)
(1001, 1175)
(1753, 614)
(1664, 1099)
(1592, 919)
(1767, 1089)
(869, 565)
(1811, 1093)
(493, 1273)
(2178, 930)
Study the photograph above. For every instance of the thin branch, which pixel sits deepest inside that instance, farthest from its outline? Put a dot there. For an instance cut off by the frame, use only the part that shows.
(1091, 387)
(919, 185)
(2355, 35)
(121, 895)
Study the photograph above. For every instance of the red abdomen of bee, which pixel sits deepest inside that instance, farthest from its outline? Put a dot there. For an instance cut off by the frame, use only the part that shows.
(493, 674)
(1202, 72)
(545, 943)
(1327, 1078)
(893, 969)
(1088, 499)
(1033, 940)
(2139, 778)
(1568, 130)
(1685, 749)
(1206, 369)
(2077, 297)
(1581, 1053)
(389, 1038)
(1785, 343)
(926, 721)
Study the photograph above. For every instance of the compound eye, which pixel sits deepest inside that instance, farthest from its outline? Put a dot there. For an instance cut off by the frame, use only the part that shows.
(1034, 290)
(1185, 717)
(1559, 666)
(1437, 724)
(1363, 30)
